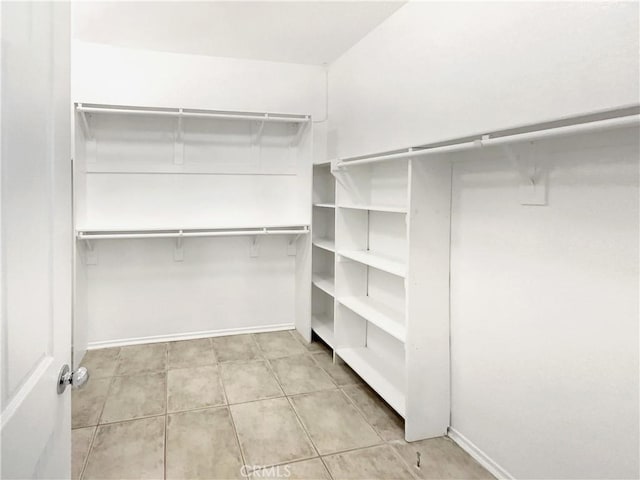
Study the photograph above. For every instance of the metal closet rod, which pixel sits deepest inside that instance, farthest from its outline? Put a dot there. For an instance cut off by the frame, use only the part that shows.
(487, 141)
(294, 230)
(263, 117)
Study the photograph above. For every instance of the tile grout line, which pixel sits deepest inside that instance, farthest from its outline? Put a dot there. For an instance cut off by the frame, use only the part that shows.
(86, 460)
(228, 407)
(359, 410)
(299, 420)
(166, 413)
(95, 432)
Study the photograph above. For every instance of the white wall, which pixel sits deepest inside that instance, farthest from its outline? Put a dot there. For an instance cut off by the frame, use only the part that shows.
(137, 292)
(544, 311)
(440, 70)
(544, 300)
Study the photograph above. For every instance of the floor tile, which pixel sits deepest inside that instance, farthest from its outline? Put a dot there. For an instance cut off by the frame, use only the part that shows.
(101, 363)
(198, 387)
(441, 458)
(235, 348)
(87, 403)
(388, 424)
(312, 469)
(313, 346)
(341, 373)
(202, 444)
(247, 381)
(135, 396)
(133, 449)
(190, 353)
(376, 463)
(270, 433)
(279, 344)
(333, 422)
(300, 374)
(80, 443)
(138, 359)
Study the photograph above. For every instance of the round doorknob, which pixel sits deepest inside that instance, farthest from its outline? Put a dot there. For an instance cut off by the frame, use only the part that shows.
(80, 377)
(76, 379)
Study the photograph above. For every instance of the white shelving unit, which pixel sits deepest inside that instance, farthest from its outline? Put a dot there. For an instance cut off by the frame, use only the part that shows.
(323, 263)
(388, 321)
(227, 195)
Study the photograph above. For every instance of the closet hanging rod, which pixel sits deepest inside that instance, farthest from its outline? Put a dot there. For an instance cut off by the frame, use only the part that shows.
(488, 141)
(259, 117)
(294, 230)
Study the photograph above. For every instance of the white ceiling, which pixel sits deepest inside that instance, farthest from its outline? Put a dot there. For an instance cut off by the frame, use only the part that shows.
(311, 32)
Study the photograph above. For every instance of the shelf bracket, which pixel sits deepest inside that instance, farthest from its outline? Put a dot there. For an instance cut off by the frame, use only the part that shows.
(178, 251)
(301, 128)
(178, 147)
(533, 185)
(90, 253)
(253, 252)
(258, 136)
(90, 153)
(291, 245)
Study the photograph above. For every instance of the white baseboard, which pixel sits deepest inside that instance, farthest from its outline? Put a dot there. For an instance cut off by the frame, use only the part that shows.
(482, 458)
(188, 336)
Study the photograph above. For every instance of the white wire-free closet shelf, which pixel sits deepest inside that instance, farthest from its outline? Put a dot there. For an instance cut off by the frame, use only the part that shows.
(376, 260)
(386, 318)
(383, 375)
(376, 208)
(325, 243)
(191, 113)
(324, 205)
(108, 233)
(323, 326)
(324, 282)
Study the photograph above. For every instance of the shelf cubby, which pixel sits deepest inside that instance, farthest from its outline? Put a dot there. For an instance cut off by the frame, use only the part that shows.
(324, 186)
(322, 312)
(376, 239)
(373, 354)
(381, 187)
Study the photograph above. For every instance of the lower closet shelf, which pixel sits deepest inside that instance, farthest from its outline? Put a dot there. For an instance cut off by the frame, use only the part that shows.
(324, 282)
(376, 260)
(382, 316)
(386, 379)
(323, 326)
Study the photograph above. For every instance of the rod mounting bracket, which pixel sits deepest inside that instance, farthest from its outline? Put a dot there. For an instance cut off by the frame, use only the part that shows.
(533, 185)
(178, 251)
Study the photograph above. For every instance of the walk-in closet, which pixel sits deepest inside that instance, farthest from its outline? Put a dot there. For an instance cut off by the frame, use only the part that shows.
(320, 240)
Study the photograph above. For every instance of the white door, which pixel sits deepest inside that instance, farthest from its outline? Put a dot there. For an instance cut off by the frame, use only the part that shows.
(36, 239)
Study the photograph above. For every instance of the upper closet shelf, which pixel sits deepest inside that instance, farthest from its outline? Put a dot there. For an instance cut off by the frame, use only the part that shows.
(199, 232)
(192, 113)
(261, 118)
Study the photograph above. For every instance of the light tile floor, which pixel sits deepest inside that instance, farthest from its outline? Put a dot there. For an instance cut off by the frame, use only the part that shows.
(248, 406)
